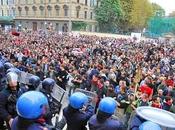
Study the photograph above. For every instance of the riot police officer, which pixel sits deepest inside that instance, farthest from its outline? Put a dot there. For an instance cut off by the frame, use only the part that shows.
(7, 66)
(103, 120)
(47, 88)
(148, 125)
(2, 76)
(34, 82)
(76, 116)
(8, 98)
(15, 70)
(31, 106)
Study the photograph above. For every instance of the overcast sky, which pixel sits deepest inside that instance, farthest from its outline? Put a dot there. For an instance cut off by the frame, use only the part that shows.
(168, 5)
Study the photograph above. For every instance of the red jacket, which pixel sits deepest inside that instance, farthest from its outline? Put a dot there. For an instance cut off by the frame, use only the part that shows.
(146, 89)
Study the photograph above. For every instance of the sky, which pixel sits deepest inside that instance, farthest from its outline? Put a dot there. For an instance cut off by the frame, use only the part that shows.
(168, 5)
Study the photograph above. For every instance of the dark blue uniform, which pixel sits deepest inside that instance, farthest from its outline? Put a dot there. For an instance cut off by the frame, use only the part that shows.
(34, 126)
(136, 121)
(109, 124)
(77, 119)
(8, 100)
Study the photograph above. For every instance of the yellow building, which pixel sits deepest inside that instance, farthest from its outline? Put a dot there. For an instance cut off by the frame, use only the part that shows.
(60, 15)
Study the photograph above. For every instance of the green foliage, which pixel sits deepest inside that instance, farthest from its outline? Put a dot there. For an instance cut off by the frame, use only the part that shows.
(124, 23)
(108, 14)
(79, 26)
(140, 14)
(158, 10)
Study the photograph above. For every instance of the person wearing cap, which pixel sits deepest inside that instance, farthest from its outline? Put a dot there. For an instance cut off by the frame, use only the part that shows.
(104, 120)
(78, 112)
(8, 98)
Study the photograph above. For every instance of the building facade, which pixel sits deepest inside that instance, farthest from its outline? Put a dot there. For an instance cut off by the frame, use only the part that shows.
(7, 8)
(59, 15)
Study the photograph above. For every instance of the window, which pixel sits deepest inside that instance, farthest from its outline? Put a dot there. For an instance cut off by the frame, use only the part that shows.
(1, 2)
(65, 12)
(26, 12)
(49, 1)
(85, 14)
(91, 15)
(57, 12)
(13, 12)
(78, 13)
(57, 1)
(19, 12)
(42, 12)
(49, 13)
(2, 12)
(86, 2)
(57, 27)
(42, 25)
(26, 1)
(7, 2)
(8, 13)
(78, 1)
(41, 1)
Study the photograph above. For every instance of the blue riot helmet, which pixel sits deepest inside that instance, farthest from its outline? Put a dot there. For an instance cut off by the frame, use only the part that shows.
(77, 100)
(8, 65)
(148, 125)
(34, 81)
(15, 70)
(107, 105)
(1, 67)
(31, 105)
(12, 80)
(48, 84)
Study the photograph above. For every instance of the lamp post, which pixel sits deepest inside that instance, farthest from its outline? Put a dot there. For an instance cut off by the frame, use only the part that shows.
(70, 15)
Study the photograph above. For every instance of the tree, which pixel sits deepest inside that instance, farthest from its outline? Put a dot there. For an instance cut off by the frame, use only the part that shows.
(140, 14)
(108, 14)
(157, 9)
(124, 24)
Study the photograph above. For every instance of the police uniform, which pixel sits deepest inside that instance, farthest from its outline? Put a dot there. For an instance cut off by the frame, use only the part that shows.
(103, 120)
(47, 88)
(33, 126)
(76, 119)
(109, 124)
(7, 104)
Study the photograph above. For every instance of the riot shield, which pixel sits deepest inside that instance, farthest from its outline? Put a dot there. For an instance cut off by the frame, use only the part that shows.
(164, 118)
(58, 96)
(91, 96)
(24, 77)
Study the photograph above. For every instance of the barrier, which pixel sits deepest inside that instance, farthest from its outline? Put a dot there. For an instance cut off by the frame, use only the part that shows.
(91, 95)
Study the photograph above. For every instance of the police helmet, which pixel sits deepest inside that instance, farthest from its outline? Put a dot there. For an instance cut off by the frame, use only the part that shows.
(148, 125)
(48, 84)
(107, 105)
(77, 100)
(1, 67)
(34, 81)
(8, 65)
(30, 105)
(15, 70)
(12, 77)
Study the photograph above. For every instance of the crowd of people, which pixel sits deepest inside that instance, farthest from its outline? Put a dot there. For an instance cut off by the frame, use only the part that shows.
(134, 73)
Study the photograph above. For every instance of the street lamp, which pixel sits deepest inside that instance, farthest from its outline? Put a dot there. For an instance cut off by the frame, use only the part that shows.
(70, 14)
